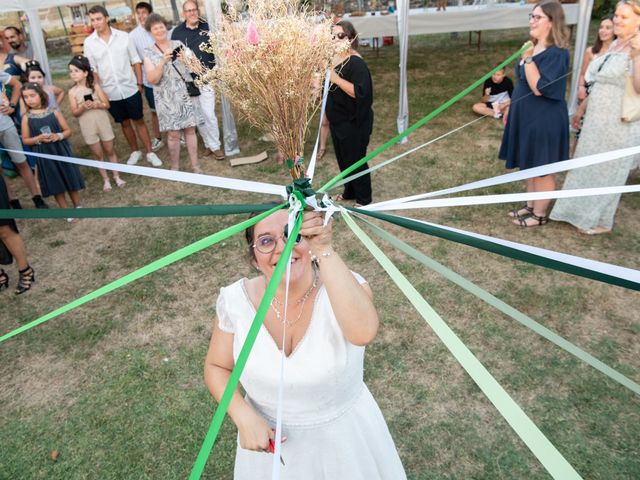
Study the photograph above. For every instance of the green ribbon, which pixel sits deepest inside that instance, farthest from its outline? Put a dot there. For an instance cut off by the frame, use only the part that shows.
(505, 308)
(421, 122)
(152, 267)
(539, 445)
(229, 390)
(501, 249)
(136, 212)
(302, 185)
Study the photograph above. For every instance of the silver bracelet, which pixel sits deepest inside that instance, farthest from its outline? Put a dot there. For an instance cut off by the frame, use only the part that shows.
(316, 259)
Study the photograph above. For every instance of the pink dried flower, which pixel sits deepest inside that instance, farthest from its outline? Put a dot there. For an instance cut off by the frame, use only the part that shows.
(253, 37)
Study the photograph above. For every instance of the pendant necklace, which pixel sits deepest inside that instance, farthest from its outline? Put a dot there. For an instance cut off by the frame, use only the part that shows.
(300, 302)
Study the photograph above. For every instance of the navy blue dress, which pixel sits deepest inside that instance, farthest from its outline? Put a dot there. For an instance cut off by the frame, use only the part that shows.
(537, 130)
(55, 176)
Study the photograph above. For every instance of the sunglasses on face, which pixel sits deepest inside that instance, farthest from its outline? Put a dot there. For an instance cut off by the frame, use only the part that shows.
(267, 243)
(340, 35)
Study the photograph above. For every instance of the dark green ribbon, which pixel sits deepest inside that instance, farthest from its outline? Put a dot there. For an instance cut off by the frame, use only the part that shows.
(136, 212)
(503, 250)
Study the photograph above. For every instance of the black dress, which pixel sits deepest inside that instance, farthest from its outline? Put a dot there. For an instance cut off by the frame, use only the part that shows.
(351, 122)
(537, 130)
(4, 205)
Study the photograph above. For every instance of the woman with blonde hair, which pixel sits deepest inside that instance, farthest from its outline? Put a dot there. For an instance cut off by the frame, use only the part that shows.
(537, 130)
(603, 129)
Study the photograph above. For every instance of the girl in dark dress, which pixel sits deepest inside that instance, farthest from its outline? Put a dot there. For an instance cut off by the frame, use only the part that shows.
(537, 130)
(46, 131)
(349, 113)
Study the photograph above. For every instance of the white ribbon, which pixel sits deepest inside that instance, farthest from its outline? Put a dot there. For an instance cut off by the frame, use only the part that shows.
(325, 94)
(504, 198)
(173, 175)
(594, 265)
(522, 175)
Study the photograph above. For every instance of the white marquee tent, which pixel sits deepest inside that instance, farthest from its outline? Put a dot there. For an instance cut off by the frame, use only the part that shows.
(404, 27)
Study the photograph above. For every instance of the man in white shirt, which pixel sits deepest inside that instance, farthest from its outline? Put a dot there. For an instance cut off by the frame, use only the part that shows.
(141, 40)
(117, 67)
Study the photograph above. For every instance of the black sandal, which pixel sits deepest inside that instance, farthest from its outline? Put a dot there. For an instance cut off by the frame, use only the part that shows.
(26, 280)
(522, 221)
(515, 213)
(4, 279)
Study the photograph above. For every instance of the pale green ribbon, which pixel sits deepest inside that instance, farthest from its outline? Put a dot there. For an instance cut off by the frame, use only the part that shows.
(504, 308)
(539, 445)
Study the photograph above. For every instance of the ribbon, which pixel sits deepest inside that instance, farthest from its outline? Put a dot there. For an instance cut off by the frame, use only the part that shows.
(420, 122)
(539, 445)
(504, 198)
(505, 308)
(136, 212)
(522, 174)
(152, 267)
(173, 175)
(241, 361)
(314, 155)
(602, 272)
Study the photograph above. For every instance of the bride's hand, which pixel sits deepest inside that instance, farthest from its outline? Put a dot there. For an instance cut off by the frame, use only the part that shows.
(254, 432)
(313, 230)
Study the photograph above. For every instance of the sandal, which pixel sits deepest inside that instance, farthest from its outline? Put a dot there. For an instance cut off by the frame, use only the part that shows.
(26, 280)
(321, 153)
(4, 279)
(106, 187)
(119, 182)
(539, 221)
(525, 209)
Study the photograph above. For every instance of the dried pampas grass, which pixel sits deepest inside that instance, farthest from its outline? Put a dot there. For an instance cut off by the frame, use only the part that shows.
(270, 65)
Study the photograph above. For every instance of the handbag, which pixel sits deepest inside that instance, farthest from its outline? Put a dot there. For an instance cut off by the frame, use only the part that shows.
(192, 90)
(630, 102)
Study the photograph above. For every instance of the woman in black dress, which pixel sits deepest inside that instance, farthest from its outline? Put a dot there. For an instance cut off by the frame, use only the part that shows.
(537, 130)
(349, 112)
(11, 242)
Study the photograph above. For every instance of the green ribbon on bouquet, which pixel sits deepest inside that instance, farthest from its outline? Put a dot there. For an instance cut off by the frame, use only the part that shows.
(505, 308)
(234, 379)
(146, 270)
(539, 445)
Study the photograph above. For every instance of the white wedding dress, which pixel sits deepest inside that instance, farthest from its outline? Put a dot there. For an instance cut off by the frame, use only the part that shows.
(334, 427)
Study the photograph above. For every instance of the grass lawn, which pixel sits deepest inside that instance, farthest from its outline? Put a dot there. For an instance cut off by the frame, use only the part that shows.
(115, 386)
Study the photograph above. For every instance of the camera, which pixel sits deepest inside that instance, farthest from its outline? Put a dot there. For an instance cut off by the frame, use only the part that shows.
(174, 53)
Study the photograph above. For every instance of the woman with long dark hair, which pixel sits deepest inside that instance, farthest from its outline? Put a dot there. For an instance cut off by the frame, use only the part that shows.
(349, 112)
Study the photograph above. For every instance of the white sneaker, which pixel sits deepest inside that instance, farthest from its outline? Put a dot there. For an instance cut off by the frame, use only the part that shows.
(153, 159)
(156, 144)
(134, 157)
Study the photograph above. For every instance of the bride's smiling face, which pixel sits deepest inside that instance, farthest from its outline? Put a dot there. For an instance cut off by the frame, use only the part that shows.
(268, 244)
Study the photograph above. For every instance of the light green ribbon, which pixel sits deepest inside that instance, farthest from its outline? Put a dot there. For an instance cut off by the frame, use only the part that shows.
(229, 390)
(539, 445)
(504, 308)
(421, 122)
(146, 270)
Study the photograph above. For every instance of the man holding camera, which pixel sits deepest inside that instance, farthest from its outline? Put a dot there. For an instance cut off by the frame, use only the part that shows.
(193, 32)
(117, 66)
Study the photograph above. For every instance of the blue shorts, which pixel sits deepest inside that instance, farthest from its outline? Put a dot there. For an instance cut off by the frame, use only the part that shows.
(127, 109)
(148, 93)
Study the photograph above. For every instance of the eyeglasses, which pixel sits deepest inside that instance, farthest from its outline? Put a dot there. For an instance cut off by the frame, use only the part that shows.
(536, 18)
(340, 35)
(267, 243)
(192, 10)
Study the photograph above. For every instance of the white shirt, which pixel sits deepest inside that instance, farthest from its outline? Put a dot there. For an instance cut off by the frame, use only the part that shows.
(142, 39)
(112, 61)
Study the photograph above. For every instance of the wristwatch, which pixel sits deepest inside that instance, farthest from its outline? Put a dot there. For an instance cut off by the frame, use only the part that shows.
(528, 60)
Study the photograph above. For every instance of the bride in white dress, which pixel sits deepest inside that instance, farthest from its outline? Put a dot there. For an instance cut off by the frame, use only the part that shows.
(333, 427)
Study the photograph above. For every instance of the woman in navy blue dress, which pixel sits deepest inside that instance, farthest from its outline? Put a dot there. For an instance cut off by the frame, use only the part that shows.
(537, 130)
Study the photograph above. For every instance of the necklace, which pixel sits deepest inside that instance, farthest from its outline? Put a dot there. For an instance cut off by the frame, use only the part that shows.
(300, 302)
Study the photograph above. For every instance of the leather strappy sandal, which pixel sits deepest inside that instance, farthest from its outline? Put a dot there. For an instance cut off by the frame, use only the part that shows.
(515, 213)
(539, 220)
(26, 280)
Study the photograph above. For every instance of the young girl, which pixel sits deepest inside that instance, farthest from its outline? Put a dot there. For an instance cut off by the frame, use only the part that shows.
(46, 131)
(89, 103)
(35, 74)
